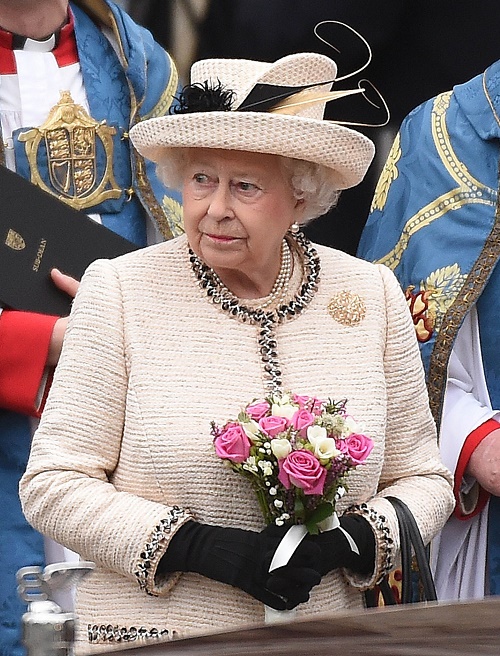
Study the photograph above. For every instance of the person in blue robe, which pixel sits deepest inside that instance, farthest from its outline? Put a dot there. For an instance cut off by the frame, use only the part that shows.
(435, 221)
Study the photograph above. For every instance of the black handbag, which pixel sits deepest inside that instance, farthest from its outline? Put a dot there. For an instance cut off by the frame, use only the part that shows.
(417, 583)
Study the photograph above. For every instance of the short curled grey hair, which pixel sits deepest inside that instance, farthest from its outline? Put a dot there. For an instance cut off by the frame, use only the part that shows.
(310, 182)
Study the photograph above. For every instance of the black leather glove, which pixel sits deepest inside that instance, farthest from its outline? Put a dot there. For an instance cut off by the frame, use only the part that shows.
(242, 558)
(336, 551)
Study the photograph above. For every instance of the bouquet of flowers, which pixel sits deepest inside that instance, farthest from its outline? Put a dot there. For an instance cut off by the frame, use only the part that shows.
(297, 452)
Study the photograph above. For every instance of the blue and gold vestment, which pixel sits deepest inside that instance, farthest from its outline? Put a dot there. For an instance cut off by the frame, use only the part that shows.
(435, 221)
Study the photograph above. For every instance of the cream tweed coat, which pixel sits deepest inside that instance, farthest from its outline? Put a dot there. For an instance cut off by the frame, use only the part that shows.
(147, 363)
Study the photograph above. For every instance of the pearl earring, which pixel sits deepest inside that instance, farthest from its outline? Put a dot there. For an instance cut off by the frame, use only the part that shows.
(294, 228)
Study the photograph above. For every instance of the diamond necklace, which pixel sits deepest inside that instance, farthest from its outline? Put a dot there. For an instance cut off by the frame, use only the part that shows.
(216, 291)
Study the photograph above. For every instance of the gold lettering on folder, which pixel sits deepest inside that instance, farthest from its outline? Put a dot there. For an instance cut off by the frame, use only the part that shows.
(39, 254)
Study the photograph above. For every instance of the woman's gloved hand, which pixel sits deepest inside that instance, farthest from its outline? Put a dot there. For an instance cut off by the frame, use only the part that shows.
(242, 558)
(336, 550)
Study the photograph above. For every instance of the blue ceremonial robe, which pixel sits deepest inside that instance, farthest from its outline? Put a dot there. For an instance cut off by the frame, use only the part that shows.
(435, 221)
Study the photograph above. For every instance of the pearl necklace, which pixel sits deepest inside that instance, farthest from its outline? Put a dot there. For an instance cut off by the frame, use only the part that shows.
(216, 291)
(279, 290)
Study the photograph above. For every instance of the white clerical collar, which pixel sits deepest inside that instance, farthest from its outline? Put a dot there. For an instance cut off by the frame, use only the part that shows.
(47, 45)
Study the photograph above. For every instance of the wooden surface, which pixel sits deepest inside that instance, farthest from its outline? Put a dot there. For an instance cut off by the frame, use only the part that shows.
(464, 629)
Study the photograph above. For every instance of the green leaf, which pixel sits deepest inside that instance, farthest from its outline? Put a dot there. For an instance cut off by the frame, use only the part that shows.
(312, 529)
(319, 514)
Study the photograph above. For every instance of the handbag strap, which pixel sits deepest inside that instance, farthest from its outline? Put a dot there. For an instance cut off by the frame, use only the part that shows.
(410, 537)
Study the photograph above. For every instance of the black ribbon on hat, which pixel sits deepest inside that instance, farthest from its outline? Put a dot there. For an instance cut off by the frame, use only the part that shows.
(264, 97)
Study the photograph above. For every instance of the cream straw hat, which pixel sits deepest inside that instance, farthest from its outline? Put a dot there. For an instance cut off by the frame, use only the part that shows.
(296, 130)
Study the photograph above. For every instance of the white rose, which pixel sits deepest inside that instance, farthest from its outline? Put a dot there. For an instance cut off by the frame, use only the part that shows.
(280, 399)
(286, 410)
(315, 433)
(251, 429)
(325, 448)
(280, 448)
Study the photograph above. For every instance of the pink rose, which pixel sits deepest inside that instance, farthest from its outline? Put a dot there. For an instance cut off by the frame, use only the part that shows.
(357, 446)
(317, 406)
(272, 425)
(301, 421)
(232, 443)
(310, 403)
(302, 469)
(301, 401)
(257, 410)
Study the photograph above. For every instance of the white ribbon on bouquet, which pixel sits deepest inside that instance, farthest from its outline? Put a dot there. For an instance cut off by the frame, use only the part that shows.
(285, 550)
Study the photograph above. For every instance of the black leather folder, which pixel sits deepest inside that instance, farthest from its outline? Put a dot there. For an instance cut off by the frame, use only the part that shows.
(38, 232)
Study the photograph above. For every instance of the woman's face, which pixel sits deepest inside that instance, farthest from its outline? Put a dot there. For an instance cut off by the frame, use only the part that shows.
(237, 207)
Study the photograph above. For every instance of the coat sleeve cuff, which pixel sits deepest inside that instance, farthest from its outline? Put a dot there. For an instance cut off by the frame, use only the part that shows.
(153, 551)
(473, 503)
(24, 346)
(384, 548)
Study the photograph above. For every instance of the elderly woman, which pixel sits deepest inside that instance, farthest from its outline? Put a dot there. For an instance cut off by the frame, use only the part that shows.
(167, 339)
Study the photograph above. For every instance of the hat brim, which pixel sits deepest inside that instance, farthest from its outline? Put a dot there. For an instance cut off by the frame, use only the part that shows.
(345, 152)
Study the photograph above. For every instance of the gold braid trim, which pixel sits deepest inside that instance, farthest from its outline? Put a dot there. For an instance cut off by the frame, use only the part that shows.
(466, 298)
(101, 14)
(143, 185)
(97, 10)
(146, 192)
(165, 101)
(488, 98)
(469, 189)
(451, 200)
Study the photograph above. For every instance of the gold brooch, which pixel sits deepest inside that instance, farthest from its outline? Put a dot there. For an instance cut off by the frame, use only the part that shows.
(347, 308)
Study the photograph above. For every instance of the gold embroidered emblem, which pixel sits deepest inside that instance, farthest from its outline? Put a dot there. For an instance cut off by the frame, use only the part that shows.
(173, 212)
(70, 137)
(347, 308)
(14, 240)
(430, 303)
(388, 175)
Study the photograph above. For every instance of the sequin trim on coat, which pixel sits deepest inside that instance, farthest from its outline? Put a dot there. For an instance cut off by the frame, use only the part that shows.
(158, 539)
(101, 633)
(384, 559)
